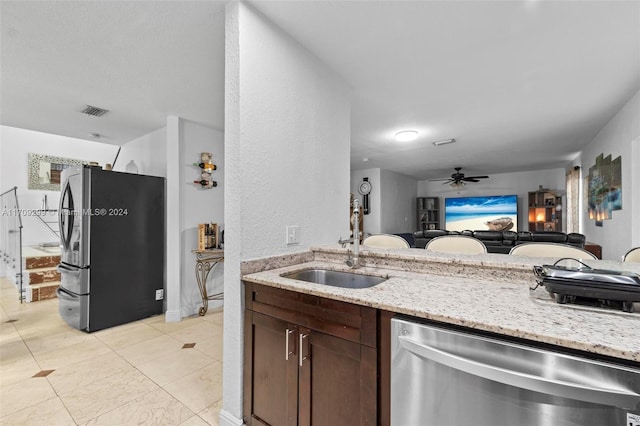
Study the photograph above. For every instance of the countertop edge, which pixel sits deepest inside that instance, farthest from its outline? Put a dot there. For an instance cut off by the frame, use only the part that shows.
(373, 298)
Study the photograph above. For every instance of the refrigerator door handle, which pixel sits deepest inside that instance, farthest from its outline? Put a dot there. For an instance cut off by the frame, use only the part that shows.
(622, 398)
(64, 268)
(66, 226)
(65, 295)
(60, 224)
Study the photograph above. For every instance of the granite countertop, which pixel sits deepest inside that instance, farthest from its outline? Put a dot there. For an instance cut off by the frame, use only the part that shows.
(486, 292)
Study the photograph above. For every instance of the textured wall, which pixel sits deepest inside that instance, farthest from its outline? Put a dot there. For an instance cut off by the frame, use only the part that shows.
(392, 201)
(616, 138)
(231, 414)
(148, 153)
(398, 202)
(199, 206)
(287, 125)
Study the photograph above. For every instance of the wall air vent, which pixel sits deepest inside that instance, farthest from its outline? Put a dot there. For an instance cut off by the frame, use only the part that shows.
(94, 111)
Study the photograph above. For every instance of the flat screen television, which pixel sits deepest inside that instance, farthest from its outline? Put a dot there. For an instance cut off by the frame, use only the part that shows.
(491, 213)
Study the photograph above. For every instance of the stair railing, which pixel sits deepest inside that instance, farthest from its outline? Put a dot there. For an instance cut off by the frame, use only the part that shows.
(11, 236)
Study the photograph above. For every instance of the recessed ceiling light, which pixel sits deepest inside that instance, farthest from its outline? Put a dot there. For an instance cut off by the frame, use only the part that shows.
(406, 135)
(444, 142)
(95, 135)
(365, 159)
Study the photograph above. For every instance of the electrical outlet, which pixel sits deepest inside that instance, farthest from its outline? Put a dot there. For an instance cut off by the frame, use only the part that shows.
(293, 235)
(160, 294)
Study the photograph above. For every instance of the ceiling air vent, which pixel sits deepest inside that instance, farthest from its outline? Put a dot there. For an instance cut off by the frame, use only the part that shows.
(95, 111)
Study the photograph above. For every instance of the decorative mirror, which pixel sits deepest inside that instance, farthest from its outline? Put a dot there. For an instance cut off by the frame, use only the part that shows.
(45, 171)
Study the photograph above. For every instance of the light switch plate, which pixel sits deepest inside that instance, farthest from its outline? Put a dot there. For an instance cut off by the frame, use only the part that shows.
(292, 235)
(160, 294)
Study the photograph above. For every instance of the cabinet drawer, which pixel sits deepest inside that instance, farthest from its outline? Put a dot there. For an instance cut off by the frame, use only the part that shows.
(341, 319)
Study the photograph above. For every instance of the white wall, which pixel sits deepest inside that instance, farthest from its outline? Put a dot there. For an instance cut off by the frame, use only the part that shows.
(3, 229)
(398, 195)
(173, 209)
(519, 183)
(199, 206)
(287, 126)
(392, 201)
(16, 144)
(635, 203)
(147, 152)
(2, 187)
(616, 138)
(373, 221)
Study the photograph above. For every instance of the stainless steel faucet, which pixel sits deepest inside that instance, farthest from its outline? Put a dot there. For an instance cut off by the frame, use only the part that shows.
(353, 262)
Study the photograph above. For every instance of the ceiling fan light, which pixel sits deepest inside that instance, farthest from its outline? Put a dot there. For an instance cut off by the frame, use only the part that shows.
(458, 184)
(406, 136)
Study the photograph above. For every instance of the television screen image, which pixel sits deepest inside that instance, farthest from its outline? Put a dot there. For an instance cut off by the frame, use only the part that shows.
(490, 213)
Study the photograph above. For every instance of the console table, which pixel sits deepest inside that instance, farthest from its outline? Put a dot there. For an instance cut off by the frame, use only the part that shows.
(206, 260)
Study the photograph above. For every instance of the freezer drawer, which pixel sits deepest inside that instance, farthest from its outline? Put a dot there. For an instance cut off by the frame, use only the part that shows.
(73, 309)
(74, 279)
(445, 377)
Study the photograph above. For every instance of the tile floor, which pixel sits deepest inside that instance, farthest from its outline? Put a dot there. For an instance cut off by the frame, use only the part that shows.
(143, 373)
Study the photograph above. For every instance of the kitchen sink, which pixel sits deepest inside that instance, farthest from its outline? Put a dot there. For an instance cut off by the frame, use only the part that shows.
(335, 278)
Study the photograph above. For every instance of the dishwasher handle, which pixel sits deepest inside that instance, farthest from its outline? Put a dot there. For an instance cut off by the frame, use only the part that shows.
(621, 398)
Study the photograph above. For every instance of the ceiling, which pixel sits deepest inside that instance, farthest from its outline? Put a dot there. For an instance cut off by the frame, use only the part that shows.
(141, 60)
(520, 85)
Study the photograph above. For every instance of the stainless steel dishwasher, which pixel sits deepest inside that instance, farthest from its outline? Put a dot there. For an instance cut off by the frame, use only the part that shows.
(444, 377)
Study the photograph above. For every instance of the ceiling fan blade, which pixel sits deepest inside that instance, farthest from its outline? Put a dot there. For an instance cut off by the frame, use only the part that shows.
(458, 177)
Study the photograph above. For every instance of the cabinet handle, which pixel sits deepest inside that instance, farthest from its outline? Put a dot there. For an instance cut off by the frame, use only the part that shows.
(287, 352)
(302, 356)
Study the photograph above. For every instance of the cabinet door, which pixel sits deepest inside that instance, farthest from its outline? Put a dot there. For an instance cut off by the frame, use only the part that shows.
(337, 381)
(271, 371)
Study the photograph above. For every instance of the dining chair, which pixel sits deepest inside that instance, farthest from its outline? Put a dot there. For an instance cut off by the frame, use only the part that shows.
(632, 255)
(456, 244)
(385, 241)
(551, 250)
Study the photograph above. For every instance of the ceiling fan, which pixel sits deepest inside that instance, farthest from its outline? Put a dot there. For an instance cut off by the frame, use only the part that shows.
(458, 179)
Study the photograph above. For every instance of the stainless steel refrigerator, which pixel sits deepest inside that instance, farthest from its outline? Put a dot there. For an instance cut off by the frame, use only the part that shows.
(112, 232)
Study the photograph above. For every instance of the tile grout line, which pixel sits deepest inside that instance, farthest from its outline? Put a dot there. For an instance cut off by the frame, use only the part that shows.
(161, 387)
(163, 331)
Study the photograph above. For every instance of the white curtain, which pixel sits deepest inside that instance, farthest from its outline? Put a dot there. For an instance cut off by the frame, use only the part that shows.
(573, 200)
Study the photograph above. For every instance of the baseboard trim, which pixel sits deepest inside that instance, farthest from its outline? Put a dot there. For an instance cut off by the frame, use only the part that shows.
(172, 316)
(227, 419)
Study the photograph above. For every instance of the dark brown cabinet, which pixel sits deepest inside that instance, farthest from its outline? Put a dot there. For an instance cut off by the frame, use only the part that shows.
(308, 360)
(275, 378)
